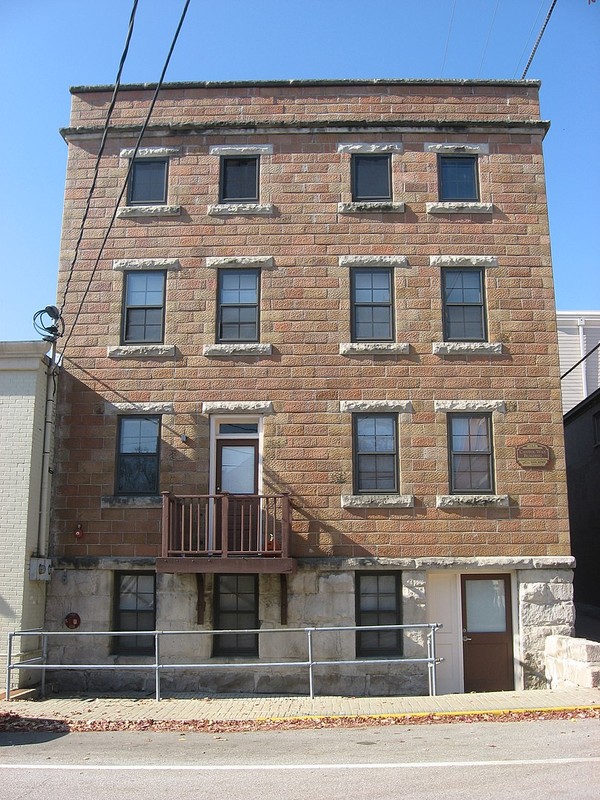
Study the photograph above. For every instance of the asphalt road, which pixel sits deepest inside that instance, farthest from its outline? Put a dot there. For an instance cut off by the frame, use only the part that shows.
(543, 759)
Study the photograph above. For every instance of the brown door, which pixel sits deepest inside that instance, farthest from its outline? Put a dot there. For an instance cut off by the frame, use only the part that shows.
(237, 476)
(487, 633)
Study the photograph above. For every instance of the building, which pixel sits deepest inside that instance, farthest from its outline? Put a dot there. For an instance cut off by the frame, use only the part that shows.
(314, 382)
(26, 432)
(578, 335)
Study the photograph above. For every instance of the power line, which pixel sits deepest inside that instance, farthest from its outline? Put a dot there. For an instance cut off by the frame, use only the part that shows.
(487, 41)
(100, 153)
(131, 161)
(581, 360)
(539, 38)
(448, 40)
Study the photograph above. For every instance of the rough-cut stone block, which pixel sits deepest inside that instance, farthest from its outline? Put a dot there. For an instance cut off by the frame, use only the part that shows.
(240, 261)
(454, 147)
(367, 147)
(375, 207)
(141, 351)
(478, 500)
(467, 348)
(149, 211)
(449, 406)
(377, 501)
(129, 264)
(373, 261)
(398, 406)
(454, 207)
(240, 149)
(374, 348)
(138, 408)
(150, 152)
(238, 407)
(463, 261)
(240, 209)
(238, 349)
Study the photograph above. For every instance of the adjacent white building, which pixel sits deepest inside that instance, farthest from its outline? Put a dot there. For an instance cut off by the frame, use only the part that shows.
(578, 334)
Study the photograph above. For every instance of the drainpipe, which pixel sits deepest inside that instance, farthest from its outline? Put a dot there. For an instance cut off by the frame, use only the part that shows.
(47, 445)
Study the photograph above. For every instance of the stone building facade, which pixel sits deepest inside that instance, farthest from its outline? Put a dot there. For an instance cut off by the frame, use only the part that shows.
(302, 367)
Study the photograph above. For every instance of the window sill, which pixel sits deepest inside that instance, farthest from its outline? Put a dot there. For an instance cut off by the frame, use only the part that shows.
(141, 351)
(149, 211)
(378, 501)
(459, 208)
(366, 207)
(471, 500)
(240, 209)
(131, 501)
(374, 348)
(467, 348)
(237, 349)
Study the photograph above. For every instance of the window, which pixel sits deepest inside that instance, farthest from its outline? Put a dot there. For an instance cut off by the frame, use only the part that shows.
(379, 602)
(138, 455)
(143, 312)
(371, 178)
(239, 180)
(458, 178)
(148, 182)
(135, 610)
(236, 607)
(237, 312)
(375, 453)
(596, 423)
(463, 305)
(471, 457)
(371, 305)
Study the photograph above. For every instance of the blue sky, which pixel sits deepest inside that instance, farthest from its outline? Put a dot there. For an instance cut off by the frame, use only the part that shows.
(46, 46)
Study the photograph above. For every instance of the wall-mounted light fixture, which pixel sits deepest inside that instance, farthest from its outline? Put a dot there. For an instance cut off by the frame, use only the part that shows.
(78, 532)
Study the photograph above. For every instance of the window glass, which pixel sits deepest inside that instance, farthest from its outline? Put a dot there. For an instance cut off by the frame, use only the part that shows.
(471, 453)
(371, 305)
(239, 179)
(238, 306)
(379, 602)
(236, 607)
(371, 178)
(464, 309)
(458, 178)
(138, 455)
(375, 453)
(144, 307)
(134, 611)
(148, 182)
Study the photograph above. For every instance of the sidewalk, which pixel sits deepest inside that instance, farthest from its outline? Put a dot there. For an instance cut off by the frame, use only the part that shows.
(263, 708)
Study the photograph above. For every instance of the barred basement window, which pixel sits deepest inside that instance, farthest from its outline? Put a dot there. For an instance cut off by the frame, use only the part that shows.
(134, 610)
(236, 607)
(379, 602)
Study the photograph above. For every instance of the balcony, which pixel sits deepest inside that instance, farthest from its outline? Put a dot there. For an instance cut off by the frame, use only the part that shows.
(226, 533)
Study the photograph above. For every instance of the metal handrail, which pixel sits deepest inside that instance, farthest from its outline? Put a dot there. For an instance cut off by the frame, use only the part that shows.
(41, 662)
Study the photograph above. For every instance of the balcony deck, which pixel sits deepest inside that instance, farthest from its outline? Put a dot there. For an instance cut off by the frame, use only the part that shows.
(226, 533)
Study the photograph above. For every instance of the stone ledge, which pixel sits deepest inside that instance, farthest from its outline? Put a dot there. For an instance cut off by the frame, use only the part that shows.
(141, 351)
(241, 150)
(375, 147)
(138, 408)
(468, 348)
(397, 406)
(489, 563)
(377, 501)
(452, 147)
(241, 349)
(448, 406)
(373, 261)
(375, 207)
(471, 500)
(240, 261)
(264, 407)
(149, 211)
(459, 208)
(374, 348)
(150, 152)
(463, 261)
(240, 209)
(128, 264)
(137, 501)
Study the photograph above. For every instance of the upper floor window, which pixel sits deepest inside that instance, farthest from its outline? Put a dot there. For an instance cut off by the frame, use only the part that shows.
(471, 453)
(457, 177)
(143, 311)
(379, 602)
(375, 453)
(148, 182)
(371, 305)
(463, 305)
(237, 306)
(239, 179)
(371, 177)
(135, 610)
(137, 470)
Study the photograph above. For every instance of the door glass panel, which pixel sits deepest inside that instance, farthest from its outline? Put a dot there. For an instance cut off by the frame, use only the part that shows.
(486, 606)
(237, 469)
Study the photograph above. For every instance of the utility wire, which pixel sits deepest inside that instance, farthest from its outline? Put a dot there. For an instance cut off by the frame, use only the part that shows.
(539, 38)
(487, 41)
(448, 40)
(581, 360)
(528, 37)
(122, 192)
(100, 153)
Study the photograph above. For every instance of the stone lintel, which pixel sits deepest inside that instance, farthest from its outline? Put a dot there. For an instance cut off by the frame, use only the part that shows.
(374, 348)
(240, 261)
(239, 349)
(475, 500)
(463, 261)
(397, 406)
(373, 261)
(454, 147)
(378, 501)
(127, 264)
(449, 406)
(374, 147)
(428, 563)
(240, 209)
(375, 207)
(141, 351)
(453, 207)
(137, 501)
(138, 408)
(467, 348)
(264, 407)
(150, 152)
(149, 211)
(241, 150)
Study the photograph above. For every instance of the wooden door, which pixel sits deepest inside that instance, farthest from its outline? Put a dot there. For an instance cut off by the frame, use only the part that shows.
(487, 633)
(237, 476)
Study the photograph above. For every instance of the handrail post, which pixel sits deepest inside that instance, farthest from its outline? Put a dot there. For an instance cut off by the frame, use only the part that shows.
(166, 527)
(9, 664)
(44, 661)
(157, 665)
(311, 685)
(433, 690)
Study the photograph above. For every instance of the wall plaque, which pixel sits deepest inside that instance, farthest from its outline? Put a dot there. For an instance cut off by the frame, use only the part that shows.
(533, 454)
